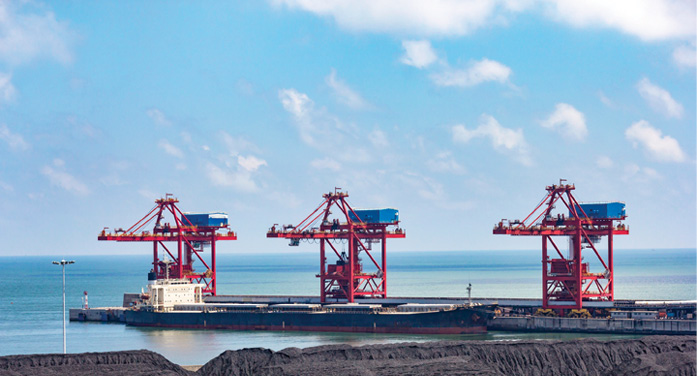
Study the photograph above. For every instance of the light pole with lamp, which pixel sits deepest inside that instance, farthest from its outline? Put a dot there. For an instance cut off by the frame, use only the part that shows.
(63, 263)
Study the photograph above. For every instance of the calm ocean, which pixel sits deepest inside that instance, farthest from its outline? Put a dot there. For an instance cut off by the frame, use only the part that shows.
(30, 300)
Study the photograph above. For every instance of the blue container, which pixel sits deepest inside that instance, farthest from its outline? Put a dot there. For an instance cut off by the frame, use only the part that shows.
(205, 219)
(385, 215)
(603, 210)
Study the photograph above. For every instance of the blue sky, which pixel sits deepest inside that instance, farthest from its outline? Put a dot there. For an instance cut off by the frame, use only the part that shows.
(458, 113)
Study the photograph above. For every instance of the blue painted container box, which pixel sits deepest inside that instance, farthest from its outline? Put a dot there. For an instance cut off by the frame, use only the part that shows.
(605, 210)
(205, 219)
(384, 215)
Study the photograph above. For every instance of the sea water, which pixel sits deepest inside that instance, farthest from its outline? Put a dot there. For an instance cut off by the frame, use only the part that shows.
(31, 300)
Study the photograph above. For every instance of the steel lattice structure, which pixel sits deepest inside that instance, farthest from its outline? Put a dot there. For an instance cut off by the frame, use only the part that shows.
(567, 281)
(190, 241)
(346, 278)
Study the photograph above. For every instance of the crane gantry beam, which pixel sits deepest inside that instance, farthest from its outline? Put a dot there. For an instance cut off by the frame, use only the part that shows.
(567, 281)
(345, 279)
(190, 239)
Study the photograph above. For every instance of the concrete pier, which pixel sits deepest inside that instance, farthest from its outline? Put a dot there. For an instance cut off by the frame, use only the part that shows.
(103, 314)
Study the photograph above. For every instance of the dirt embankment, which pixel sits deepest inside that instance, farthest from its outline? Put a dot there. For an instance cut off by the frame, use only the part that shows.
(646, 356)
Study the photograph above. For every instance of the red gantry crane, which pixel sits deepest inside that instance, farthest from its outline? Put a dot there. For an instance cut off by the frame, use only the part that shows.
(358, 230)
(192, 233)
(567, 281)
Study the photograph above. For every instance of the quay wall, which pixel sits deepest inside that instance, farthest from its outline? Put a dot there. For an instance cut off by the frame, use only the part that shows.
(579, 325)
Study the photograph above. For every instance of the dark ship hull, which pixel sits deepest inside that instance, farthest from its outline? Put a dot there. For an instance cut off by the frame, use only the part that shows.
(457, 321)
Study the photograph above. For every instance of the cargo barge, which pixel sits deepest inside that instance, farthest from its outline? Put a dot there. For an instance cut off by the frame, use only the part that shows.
(178, 303)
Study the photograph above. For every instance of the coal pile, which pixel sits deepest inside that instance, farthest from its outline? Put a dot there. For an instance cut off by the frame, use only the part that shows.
(647, 356)
(657, 355)
(140, 362)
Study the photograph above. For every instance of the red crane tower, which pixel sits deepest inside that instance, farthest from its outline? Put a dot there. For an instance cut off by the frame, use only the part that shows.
(359, 230)
(567, 281)
(191, 232)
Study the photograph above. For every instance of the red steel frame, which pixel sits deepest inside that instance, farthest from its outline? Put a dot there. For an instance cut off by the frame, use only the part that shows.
(345, 279)
(567, 282)
(190, 241)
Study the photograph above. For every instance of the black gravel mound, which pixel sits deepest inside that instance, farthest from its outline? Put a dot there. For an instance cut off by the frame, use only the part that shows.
(659, 355)
(140, 362)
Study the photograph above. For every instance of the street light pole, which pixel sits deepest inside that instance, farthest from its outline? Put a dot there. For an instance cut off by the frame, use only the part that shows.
(63, 263)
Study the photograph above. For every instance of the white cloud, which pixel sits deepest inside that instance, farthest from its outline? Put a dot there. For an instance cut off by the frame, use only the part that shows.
(659, 99)
(430, 189)
(418, 53)
(238, 180)
(478, 72)
(502, 139)
(685, 56)
(344, 93)
(6, 187)
(650, 20)
(300, 106)
(14, 141)
(604, 162)
(444, 162)
(250, 163)
(410, 17)
(7, 90)
(378, 138)
(326, 164)
(58, 177)
(236, 145)
(570, 122)
(26, 35)
(322, 130)
(606, 101)
(659, 147)
(170, 149)
(636, 174)
(158, 117)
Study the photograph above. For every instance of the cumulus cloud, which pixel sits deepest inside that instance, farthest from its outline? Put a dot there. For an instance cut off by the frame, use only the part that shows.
(655, 144)
(651, 20)
(158, 117)
(570, 122)
(410, 17)
(240, 180)
(502, 139)
(14, 141)
(326, 164)
(344, 93)
(418, 53)
(7, 90)
(250, 163)
(59, 177)
(685, 56)
(659, 99)
(170, 149)
(476, 73)
(28, 33)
